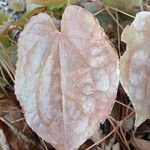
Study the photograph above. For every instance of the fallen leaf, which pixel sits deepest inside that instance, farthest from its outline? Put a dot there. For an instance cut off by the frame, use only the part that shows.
(131, 6)
(141, 144)
(14, 138)
(3, 142)
(108, 144)
(66, 81)
(45, 2)
(6, 105)
(17, 5)
(4, 18)
(4, 27)
(97, 136)
(128, 124)
(116, 146)
(134, 65)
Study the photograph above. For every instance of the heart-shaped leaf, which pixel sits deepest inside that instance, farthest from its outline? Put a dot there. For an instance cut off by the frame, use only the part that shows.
(134, 65)
(66, 81)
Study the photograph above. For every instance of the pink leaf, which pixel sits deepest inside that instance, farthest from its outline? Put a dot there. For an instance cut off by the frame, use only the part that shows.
(66, 82)
(135, 66)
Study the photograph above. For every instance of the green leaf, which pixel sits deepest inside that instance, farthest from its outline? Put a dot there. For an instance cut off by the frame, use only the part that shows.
(3, 83)
(46, 2)
(5, 41)
(3, 17)
(105, 20)
(132, 6)
(25, 18)
(31, 7)
(91, 7)
(17, 5)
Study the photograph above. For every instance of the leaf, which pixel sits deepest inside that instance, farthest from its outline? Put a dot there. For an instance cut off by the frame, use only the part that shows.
(3, 17)
(105, 21)
(5, 41)
(91, 7)
(4, 27)
(128, 124)
(134, 65)
(116, 146)
(131, 6)
(17, 5)
(141, 144)
(45, 2)
(14, 137)
(3, 142)
(66, 81)
(3, 83)
(28, 14)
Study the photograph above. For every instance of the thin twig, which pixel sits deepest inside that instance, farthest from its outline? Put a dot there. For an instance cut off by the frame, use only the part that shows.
(19, 133)
(11, 39)
(146, 5)
(127, 14)
(116, 130)
(118, 34)
(128, 116)
(122, 12)
(124, 139)
(9, 66)
(24, 127)
(1, 71)
(12, 78)
(127, 110)
(68, 3)
(102, 139)
(114, 18)
(99, 12)
(18, 120)
(124, 105)
(43, 142)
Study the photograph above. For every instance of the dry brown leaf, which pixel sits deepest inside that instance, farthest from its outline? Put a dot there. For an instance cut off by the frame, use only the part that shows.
(7, 105)
(66, 81)
(141, 144)
(134, 65)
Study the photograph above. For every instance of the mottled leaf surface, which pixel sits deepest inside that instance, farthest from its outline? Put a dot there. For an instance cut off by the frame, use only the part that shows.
(66, 81)
(134, 65)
